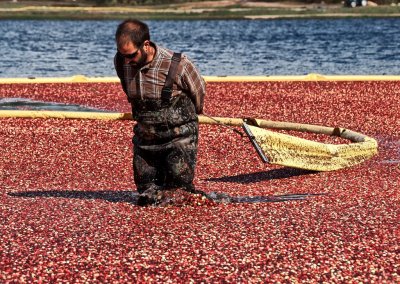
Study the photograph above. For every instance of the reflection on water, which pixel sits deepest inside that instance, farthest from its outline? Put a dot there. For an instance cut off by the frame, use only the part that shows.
(27, 104)
(391, 161)
(132, 197)
(273, 174)
(225, 198)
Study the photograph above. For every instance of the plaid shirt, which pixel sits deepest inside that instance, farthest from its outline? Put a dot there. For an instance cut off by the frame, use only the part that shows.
(148, 81)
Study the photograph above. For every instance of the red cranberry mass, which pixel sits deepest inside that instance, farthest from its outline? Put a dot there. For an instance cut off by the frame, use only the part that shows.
(68, 211)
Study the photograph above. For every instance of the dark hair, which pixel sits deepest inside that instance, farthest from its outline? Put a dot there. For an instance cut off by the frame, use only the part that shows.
(132, 30)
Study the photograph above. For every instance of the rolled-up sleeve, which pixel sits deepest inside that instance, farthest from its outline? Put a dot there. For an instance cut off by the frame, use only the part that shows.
(193, 84)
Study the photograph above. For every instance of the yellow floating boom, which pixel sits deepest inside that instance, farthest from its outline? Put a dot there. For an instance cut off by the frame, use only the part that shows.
(307, 77)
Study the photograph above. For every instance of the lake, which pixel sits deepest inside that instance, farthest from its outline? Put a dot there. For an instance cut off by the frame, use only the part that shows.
(57, 48)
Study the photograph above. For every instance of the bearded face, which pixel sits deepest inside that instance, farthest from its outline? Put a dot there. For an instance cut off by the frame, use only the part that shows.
(137, 57)
(140, 60)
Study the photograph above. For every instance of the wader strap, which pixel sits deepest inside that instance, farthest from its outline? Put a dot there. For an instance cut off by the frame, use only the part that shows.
(166, 92)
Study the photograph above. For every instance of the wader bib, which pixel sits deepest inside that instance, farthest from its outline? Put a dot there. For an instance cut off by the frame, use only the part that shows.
(166, 137)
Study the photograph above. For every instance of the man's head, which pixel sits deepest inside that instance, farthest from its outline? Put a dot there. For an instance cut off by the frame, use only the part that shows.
(133, 31)
(131, 36)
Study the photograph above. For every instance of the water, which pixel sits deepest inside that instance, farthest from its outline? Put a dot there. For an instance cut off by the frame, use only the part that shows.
(132, 197)
(28, 104)
(240, 47)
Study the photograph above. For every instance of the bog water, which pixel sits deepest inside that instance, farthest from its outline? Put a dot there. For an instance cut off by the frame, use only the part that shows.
(238, 47)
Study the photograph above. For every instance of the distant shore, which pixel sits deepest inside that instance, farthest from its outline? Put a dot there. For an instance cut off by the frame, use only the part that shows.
(194, 11)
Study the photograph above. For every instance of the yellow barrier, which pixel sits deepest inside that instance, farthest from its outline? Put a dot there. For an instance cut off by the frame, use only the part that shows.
(65, 114)
(308, 77)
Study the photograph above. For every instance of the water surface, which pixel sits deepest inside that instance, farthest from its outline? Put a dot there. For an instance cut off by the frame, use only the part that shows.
(241, 47)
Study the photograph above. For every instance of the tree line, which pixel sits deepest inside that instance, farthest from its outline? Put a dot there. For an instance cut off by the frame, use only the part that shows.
(158, 2)
(140, 2)
(155, 2)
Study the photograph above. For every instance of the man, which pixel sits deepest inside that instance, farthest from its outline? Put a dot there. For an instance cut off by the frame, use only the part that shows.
(167, 93)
